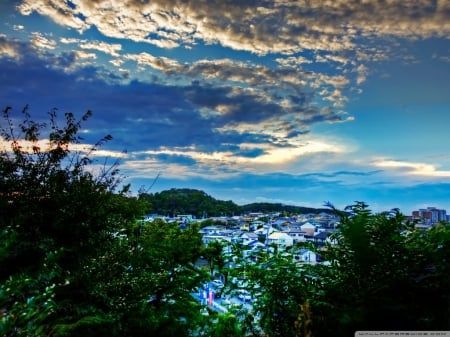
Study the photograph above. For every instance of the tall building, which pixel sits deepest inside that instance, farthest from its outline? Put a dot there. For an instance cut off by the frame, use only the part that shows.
(430, 215)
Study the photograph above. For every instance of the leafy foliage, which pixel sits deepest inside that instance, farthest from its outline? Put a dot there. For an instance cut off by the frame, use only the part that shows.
(73, 258)
(279, 288)
(213, 254)
(174, 202)
(383, 275)
(380, 273)
(226, 325)
(266, 207)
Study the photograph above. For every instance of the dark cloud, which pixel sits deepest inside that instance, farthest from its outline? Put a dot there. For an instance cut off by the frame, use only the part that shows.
(342, 173)
(138, 115)
(175, 159)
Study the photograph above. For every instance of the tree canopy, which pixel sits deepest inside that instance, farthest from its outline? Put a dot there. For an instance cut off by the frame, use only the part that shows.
(380, 273)
(383, 274)
(178, 201)
(74, 259)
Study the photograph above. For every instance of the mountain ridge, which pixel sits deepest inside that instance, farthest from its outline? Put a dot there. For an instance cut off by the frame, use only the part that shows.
(176, 201)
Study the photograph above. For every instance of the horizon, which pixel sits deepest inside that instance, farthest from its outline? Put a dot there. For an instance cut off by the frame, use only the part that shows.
(324, 205)
(295, 103)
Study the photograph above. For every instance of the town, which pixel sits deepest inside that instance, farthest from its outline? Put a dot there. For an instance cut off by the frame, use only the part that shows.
(244, 239)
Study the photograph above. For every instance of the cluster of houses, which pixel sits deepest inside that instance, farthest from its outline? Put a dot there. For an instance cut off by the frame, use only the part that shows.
(258, 231)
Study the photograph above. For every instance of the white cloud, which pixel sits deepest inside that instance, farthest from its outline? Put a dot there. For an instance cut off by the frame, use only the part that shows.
(306, 25)
(108, 48)
(362, 72)
(9, 50)
(44, 146)
(61, 13)
(412, 168)
(112, 49)
(160, 63)
(83, 55)
(117, 62)
(228, 163)
(39, 41)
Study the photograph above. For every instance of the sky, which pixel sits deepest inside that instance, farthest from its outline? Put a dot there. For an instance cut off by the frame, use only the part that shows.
(297, 102)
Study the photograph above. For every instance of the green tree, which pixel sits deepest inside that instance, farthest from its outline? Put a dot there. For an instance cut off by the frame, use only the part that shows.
(382, 274)
(213, 254)
(151, 284)
(226, 325)
(188, 201)
(65, 268)
(279, 288)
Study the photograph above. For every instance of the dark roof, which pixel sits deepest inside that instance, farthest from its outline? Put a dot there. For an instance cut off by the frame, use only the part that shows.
(321, 235)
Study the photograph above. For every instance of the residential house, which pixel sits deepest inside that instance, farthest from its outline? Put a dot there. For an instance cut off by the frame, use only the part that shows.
(252, 248)
(248, 236)
(308, 228)
(215, 233)
(244, 225)
(305, 256)
(282, 222)
(320, 238)
(280, 239)
(217, 236)
(297, 234)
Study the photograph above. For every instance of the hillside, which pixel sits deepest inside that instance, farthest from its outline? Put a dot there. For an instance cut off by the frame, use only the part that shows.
(198, 203)
(266, 207)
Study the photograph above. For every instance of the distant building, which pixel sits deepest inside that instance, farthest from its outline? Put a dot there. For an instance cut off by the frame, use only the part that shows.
(280, 239)
(308, 228)
(296, 233)
(430, 215)
(185, 218)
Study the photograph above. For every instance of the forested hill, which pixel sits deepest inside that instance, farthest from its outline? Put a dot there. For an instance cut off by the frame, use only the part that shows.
(198, 203)
(266, 207)
(188, 201)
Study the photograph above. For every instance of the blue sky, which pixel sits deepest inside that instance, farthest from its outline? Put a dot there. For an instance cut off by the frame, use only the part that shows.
(298, 102)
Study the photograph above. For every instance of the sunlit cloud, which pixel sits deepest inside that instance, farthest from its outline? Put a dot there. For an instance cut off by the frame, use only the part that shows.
(39, 41)
(107, 48)
(84, 55)
(171, 23)
(261, 94)
(44, 146)
(61, 13)
(225, 163)
(8, 49)
(413, 168)
(160, 63)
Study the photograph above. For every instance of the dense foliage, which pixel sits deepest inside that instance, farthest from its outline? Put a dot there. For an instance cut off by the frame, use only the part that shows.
(381, 273)
(74, 261)
(384, 274)
(267, 208)
(176, 201)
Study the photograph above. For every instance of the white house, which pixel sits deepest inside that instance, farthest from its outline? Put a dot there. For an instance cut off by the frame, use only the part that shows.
(305, 256)
(217, 236)
(280, 239)
(248, 236)
(297, 234)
